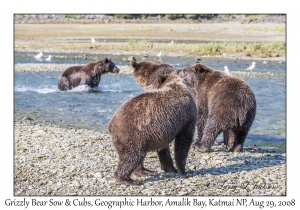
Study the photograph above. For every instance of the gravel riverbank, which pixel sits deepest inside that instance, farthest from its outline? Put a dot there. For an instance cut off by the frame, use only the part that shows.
(52, 160)
(57, 68)
(124, 70)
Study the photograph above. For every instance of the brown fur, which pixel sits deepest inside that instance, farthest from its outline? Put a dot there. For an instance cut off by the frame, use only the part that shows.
(151, 121)
(146, 72)
(89, 74)
(225, 104)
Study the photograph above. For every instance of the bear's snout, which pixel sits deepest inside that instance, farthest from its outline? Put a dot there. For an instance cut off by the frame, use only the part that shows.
(116, 70)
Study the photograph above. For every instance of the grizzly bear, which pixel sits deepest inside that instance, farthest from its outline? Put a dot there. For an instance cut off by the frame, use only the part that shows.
(225, 103)
(89, 74)
(150, 122)
(146, 72)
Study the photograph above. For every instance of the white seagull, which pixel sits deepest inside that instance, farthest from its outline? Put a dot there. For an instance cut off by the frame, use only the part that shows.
(48, 59)
(171, 43)
(93, 40)
(159, 54)
(251, 67)
(227, 70)
(38, 56)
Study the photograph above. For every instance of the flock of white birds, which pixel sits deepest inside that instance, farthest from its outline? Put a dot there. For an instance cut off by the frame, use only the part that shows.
(249, 68)
(40, 55)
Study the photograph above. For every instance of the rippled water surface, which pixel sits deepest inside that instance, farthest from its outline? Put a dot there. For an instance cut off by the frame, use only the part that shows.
(36, 96)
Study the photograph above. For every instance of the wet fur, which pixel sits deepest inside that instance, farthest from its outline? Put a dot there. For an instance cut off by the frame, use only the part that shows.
(150, 122)
(89, 74)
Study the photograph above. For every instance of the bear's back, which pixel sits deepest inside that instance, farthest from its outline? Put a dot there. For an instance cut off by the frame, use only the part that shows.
(153, 115)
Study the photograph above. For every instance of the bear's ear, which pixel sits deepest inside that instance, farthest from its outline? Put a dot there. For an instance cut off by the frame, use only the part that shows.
(134, 64)
(199, 69)
(158, 62)
(106, 60)
(161, 79)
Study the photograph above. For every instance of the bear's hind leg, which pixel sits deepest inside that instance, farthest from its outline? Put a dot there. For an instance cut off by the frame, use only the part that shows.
(142, 171)
(210, 134)
(240, 137)
(201, 121)
(183, 143)
(230, 139)
(129, 161)
(166, 161)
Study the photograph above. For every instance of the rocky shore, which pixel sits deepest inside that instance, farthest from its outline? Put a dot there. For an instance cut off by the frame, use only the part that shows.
(56, 68)
(126, 69)
(52, 160)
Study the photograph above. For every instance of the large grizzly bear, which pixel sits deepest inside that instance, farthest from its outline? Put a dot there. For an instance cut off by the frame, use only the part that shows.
(225, 104)
(89, 74)
(150, 122)
(146, 72)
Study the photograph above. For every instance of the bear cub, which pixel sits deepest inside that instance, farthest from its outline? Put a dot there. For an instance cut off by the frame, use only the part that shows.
(221, 97)
(150, 122)
(225, 104)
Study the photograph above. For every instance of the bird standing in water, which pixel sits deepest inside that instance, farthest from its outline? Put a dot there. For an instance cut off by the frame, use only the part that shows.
(251, 67)
(227, 70)
(38, 56)
(48, 59)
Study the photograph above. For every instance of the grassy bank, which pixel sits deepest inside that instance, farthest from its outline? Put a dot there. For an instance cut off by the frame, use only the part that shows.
(256, 40)
(265, 50)
(211, 48)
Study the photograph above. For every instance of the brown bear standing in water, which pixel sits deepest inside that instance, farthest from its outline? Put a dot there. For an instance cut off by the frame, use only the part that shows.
(145, 72)
(89, 74)
(225, 104)
(150, 122)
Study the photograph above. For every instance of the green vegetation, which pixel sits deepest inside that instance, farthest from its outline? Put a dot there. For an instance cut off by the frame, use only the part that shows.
(124, 16)
(226, 15)
(169, 16)
(256, 16)
(218, 48)
(207, 16)
(191, 16)
(212, 48)
(140, 43)
(174, 16)
(73, 16)
(144, 16)
(21, 15)
(279, 29)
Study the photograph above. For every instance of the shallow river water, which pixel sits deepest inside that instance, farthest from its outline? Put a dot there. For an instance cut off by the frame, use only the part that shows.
(36, 96)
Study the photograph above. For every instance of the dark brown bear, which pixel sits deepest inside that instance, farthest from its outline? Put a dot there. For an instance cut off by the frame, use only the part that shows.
(225, 104)
(89, 74)
(145, 72)
(150, 122)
